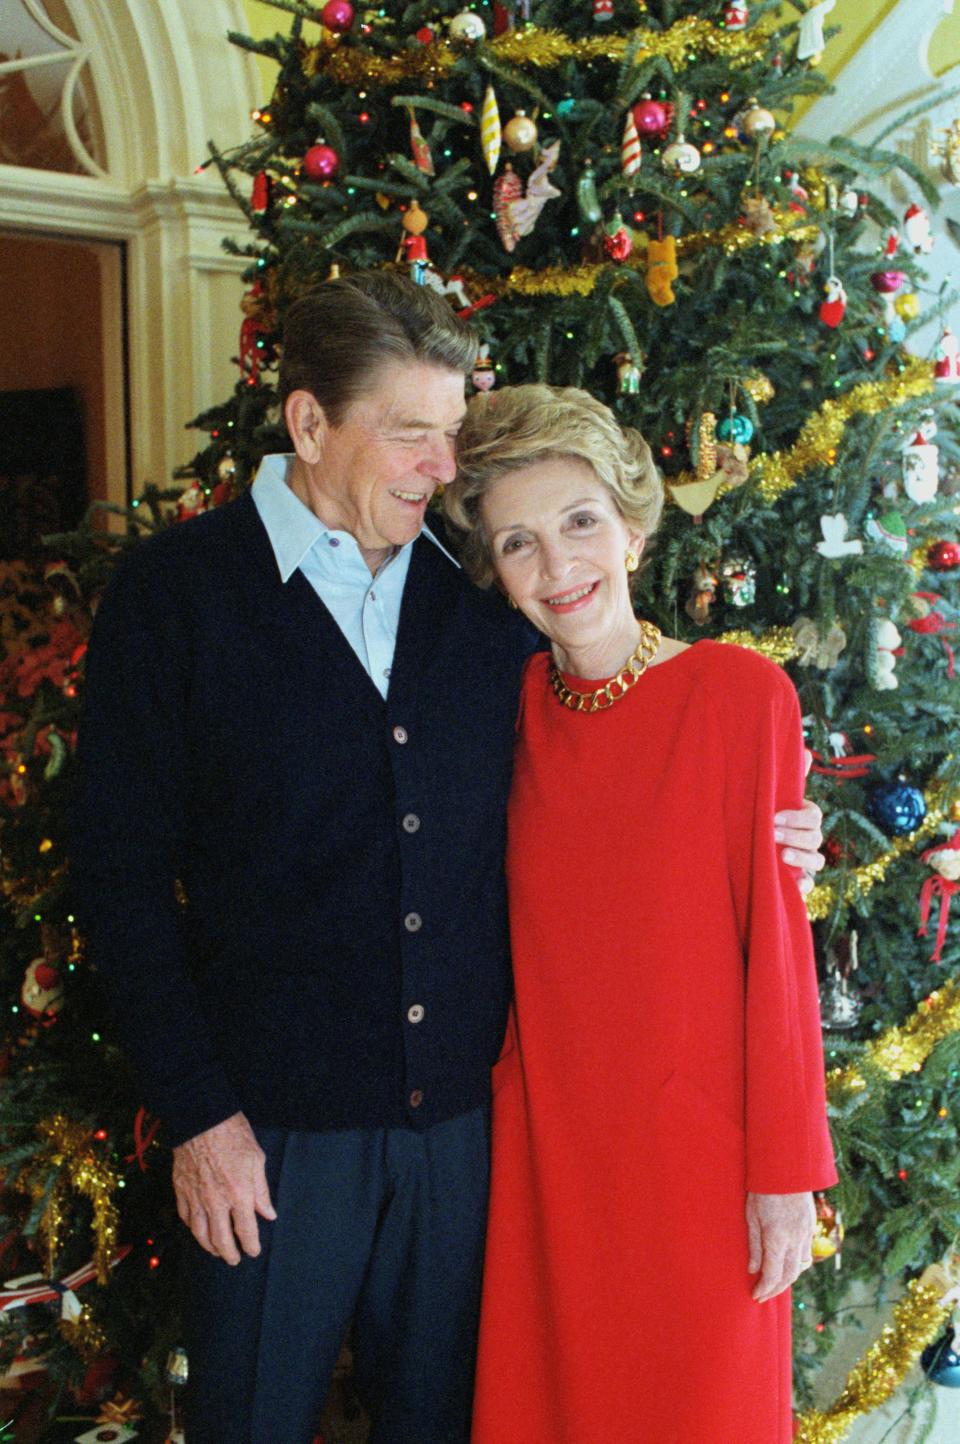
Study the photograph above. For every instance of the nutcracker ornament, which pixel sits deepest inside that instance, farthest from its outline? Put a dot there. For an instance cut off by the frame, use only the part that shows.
(483, 375)
(833, 307)
(413, 245)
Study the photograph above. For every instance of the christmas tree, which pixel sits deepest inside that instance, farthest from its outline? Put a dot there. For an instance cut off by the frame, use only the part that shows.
(612, 192)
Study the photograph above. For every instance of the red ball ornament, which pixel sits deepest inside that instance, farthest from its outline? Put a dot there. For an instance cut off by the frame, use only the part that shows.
(337, 16)
(650, 116)
(944, 556)
(425, 35)
(321, 162)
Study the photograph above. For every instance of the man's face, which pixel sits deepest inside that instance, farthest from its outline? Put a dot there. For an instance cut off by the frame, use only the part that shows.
(378, 469)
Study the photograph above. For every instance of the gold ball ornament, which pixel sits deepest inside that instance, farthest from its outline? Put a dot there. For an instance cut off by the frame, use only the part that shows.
(907, 306)
(520, 133)
(758, 123)
(226, 468)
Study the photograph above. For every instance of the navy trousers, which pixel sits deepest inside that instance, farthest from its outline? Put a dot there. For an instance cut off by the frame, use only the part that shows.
(384, 1226)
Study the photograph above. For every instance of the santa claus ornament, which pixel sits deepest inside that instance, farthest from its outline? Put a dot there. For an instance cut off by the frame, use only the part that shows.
(946, 360)
(921, 469)
(483, 375)
(916, 229)
(736, 17)
(944, 881)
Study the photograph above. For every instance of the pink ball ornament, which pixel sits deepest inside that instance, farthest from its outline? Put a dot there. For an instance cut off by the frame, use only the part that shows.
(321, 163)
(337, 16)
(650, 116)
(886, 283)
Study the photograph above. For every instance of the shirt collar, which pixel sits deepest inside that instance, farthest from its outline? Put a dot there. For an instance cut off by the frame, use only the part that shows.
(291, 526)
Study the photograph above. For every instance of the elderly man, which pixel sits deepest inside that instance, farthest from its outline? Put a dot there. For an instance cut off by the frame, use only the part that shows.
(300, 710)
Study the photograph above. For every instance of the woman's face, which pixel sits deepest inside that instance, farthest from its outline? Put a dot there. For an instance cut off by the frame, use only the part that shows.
(558, 543)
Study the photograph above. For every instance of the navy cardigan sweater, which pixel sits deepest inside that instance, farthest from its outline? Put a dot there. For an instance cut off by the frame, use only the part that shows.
(340, 857)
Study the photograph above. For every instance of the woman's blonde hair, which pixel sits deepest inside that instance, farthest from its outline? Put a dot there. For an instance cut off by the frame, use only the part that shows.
(521, 425)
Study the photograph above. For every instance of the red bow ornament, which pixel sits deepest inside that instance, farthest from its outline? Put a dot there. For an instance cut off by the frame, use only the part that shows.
(944, 858)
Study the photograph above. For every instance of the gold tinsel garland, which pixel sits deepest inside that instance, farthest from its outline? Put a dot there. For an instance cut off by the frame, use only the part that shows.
(904, 1048)
(85, 1335)
(822, 432)
(539, 49)
(917, 1319)
(779, 643)
(861, 880)
(582, 280)
(78, 1169)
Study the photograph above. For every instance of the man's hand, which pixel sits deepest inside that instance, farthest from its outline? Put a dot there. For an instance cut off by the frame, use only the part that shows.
(221, 1185)
(780, 1232)
(801, 835)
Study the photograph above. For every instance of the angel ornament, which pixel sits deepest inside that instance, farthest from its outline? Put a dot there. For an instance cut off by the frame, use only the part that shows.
(516, 210)
(811, 42)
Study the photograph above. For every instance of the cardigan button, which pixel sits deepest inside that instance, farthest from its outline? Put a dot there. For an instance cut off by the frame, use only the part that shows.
(415, 1013)
(416, 1098)
(413, 922)
(411, 823)
(400, 734)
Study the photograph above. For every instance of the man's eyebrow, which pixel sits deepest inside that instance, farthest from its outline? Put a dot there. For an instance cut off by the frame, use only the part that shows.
(416, 424)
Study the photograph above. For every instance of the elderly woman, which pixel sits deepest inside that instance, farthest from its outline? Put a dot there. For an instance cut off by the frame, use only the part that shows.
(659, 1118)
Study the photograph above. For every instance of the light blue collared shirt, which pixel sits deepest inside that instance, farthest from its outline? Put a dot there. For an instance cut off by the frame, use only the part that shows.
(366, 608)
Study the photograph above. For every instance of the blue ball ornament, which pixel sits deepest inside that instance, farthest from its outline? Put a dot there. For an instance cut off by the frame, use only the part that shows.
(736, 427)
(896, 330)
(897, 807)
(941, 1362)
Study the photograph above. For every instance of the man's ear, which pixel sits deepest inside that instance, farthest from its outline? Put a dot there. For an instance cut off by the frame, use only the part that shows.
(307, 425)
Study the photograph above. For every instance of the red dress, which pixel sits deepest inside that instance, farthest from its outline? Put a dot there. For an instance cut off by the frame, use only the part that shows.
(664, 1058)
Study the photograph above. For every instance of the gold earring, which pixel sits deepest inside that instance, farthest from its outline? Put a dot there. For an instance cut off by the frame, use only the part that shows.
(512, 603)
(632, 561)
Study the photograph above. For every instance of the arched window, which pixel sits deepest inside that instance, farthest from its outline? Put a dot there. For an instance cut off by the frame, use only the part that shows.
(49, 116)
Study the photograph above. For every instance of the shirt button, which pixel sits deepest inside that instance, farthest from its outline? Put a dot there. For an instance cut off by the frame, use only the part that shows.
(386, 672)
(416, 1098)
(372, 596)
(400, 734)
(415, 1013)
(413, 922)
(334, 541)
(411, 823)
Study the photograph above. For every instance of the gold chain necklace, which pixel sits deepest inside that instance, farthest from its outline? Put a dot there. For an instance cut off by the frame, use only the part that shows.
(618, 686)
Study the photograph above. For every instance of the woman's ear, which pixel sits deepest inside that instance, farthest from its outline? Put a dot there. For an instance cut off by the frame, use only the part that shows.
(307, 425)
